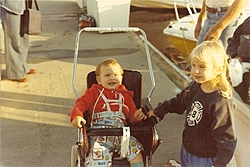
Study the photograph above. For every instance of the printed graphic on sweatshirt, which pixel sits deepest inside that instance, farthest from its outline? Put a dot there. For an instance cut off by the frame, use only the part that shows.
(195, 114)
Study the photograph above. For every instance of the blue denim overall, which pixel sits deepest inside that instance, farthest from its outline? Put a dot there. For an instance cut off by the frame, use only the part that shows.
(103, 147)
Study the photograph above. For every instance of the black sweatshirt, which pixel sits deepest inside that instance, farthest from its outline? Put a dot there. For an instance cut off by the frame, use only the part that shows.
(209, 131)
(239, 44)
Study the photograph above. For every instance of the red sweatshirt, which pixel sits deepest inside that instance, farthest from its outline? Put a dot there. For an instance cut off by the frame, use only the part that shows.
(88, 100)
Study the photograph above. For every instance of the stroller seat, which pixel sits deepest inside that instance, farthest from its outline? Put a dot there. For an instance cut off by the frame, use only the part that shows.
(145, 131)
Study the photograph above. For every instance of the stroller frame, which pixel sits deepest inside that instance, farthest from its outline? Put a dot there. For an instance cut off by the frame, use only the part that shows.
(79, 151)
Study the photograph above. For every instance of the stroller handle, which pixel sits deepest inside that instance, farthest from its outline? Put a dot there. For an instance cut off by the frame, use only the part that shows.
(110, 29)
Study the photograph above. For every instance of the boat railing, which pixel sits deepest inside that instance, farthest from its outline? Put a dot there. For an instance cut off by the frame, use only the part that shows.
(189, 4)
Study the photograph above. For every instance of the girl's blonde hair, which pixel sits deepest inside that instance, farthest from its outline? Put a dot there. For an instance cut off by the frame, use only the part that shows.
(213, 52)
(107, 62)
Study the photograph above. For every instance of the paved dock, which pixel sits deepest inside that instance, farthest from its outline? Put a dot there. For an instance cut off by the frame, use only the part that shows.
(35, 127)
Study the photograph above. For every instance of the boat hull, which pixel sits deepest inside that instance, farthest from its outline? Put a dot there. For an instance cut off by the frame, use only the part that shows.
(181, 33)
(185, 46)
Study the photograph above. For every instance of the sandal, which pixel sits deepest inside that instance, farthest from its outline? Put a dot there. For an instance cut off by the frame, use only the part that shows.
(173, 163)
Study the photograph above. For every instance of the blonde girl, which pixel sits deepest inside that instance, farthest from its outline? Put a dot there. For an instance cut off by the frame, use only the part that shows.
(208, 138)
(210, 60)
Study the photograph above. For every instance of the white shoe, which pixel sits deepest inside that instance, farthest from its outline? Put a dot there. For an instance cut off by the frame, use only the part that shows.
(173, 163)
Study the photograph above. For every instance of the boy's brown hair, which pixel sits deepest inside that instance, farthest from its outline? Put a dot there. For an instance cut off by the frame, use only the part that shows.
(107, 62)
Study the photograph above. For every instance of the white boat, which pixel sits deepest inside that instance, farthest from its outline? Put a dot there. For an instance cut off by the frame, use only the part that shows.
(163, 3)
(181, 31)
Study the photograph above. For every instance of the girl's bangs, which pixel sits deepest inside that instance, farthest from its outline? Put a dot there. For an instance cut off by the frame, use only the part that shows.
(201, 55)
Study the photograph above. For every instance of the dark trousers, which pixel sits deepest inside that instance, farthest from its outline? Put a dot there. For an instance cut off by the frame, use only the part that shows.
(243, 88)
(29, 3)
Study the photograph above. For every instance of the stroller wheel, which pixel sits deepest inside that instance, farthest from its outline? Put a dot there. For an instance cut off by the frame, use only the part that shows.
(74, 156)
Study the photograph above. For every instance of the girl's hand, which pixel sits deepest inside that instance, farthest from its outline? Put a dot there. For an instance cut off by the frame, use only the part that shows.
(139, 115)
(77, 121)
(151, 113)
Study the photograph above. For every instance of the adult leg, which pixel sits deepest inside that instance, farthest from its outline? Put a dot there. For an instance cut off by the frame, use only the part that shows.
(227, 33)
(203, 31)
(211, 19)
(16, 47)
(0, 19)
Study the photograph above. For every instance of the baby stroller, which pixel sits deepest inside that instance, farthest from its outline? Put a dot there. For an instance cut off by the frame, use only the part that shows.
(133, 81)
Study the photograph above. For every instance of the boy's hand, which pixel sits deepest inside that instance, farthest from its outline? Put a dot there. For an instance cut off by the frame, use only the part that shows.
(76, 122)
(139, 115)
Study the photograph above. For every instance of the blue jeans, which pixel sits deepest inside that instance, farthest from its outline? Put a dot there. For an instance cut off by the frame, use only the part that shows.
(213, 18)
(189, 160)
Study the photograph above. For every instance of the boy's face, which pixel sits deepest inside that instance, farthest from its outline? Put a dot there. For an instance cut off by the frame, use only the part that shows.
(110, 77)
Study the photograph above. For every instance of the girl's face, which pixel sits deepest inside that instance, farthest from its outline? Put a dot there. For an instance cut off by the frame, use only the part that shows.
(110, 77)
(202, 72)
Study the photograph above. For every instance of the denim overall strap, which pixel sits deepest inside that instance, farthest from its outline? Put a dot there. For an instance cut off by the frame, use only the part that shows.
(93, 112)
(108, 101)
(109, 113)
